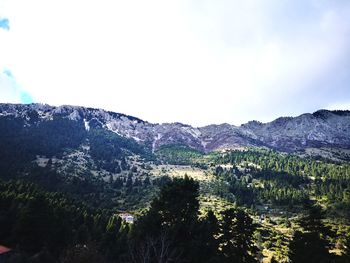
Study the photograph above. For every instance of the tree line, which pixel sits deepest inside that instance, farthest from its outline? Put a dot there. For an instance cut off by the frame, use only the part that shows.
(48, 227)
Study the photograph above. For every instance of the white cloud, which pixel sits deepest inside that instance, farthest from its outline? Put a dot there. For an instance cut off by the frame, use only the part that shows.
(9, 89)
(197, 62)
(339, 106)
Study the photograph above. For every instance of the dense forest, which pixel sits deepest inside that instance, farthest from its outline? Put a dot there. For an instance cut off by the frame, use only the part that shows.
(48, 227)
(265, 176)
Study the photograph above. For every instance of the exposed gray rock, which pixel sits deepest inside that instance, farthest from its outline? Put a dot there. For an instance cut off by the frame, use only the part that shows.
(321, 129)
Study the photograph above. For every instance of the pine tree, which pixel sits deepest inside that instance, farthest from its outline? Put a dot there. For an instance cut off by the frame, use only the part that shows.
(310, 245)
(33, 227)
(236, 236)
(171, 221)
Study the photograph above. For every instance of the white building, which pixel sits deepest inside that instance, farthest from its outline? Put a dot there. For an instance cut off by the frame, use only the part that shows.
(128, 218)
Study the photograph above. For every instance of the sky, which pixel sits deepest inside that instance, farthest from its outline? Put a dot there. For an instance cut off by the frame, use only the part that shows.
(193, 61)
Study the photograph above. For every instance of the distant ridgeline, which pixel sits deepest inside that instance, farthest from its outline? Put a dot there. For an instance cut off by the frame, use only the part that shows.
(329, 129)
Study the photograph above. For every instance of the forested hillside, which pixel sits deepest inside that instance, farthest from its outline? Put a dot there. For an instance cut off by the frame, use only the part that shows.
(68, 174)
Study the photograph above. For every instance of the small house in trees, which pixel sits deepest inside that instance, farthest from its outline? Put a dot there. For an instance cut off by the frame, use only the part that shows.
(128, 218)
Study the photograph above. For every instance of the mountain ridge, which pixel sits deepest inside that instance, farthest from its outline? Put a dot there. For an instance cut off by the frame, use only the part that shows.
(323, 128)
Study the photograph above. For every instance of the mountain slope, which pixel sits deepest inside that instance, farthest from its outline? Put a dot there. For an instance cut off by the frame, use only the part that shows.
(320, 129)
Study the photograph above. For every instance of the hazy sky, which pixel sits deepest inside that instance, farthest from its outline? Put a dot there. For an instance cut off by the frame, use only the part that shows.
(196, 62)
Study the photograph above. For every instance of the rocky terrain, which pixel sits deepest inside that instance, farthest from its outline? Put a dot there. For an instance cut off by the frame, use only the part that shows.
(322, 128)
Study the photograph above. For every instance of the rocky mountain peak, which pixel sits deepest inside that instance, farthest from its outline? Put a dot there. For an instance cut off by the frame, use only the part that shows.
(321, 128)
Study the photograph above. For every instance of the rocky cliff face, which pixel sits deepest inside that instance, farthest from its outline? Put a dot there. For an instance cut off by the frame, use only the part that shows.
(320, 129)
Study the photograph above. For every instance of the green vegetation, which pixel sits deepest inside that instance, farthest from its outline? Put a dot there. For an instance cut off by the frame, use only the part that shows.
(310, 243)
(178, 154)
(21, 144)
(173, 222)
(108, 148)
(48, 227)
(267, 177)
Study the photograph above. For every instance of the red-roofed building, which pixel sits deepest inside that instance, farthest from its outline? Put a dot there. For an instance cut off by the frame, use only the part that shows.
(4, 249)
(5, 254)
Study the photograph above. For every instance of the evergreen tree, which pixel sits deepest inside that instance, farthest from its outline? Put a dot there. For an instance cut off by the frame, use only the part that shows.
(33, 227)
(171, 221)
(207, 244)
(310, 245)
(236, 236)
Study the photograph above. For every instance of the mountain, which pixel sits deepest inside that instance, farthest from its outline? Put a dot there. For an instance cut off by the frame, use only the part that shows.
(322, 128)
(66, 174)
